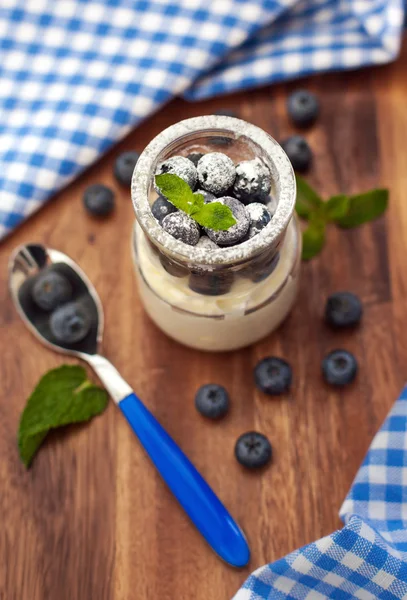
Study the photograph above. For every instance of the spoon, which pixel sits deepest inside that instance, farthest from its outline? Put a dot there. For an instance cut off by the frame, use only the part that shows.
(193, 493)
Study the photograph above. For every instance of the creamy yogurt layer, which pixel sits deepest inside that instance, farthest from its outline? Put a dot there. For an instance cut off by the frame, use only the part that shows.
(238, 318)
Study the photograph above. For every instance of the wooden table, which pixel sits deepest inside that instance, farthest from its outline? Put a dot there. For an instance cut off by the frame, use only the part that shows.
(91, 519)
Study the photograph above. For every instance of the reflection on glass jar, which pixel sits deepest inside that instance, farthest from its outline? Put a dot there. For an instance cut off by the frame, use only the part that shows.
(223, 298)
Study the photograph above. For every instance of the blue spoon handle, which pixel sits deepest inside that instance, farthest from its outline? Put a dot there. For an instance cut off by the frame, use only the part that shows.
(193, 493)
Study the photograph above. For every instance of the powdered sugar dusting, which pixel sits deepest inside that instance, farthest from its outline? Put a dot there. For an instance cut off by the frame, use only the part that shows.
(261, 143)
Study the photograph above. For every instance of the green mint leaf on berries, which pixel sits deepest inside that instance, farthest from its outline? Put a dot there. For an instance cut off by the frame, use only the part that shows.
(213, 215)
(336, 207)
(308, 201)
(364, 208)
(313, 238)
(63, 396)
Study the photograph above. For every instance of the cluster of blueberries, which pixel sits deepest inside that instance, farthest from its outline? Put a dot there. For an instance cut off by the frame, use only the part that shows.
(244, 188)
(273, 376)
(69, 319)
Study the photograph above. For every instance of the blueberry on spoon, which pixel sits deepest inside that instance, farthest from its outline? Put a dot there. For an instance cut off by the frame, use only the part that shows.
(50, 290)
(70, 323)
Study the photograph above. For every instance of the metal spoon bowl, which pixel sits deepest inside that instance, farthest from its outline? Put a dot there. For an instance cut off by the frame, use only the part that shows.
(191, 490)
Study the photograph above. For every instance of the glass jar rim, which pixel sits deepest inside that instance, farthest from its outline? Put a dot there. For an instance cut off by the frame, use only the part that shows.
(283, 178)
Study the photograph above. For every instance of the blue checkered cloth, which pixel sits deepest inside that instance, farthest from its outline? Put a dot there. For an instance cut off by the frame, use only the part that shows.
(77, 75)
(367, 559)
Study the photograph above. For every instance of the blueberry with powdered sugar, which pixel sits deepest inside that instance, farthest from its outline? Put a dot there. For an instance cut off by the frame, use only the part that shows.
(216, 173)
(181, 166)
(208, 197)
(161, 208)
(259, 218)
(252, 182)
(237, 232)
(182, 228)
(206, 243)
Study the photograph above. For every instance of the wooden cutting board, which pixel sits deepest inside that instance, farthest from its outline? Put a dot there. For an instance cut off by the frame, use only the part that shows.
(91, 519)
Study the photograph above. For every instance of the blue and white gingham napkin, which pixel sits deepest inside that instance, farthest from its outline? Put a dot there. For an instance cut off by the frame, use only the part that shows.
(77, 75)
(367, 559)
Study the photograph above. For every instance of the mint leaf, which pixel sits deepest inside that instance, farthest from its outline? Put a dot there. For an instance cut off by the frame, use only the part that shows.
(213, 215)
(336, 207)
(364, 207)
(313, 239)
(62, 396)
(177, 191)
(308, 201)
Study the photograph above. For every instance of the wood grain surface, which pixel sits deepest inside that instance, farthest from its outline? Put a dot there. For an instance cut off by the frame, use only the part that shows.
(92, 520)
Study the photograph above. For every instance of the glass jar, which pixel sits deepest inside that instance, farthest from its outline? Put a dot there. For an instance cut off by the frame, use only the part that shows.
(230, 297)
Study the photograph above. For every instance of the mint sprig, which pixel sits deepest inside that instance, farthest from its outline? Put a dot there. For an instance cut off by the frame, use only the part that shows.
(343, 210)
(214, 215)
(63, 396)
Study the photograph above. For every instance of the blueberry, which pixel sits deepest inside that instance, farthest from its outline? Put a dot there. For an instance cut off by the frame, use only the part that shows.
(263, 270)
(124, 167)
(172, 267)
(211, 283)
(339, 367)
(253, 181)
(208, 197)
(98, 200)
(70, 323)
(161, 208)
(273, 376)
(253, 450)
(182, 228)
(259, 218)
(212, 401)
(343, 309)
(298, 151)
(226, 112)
(303, 108)
(216, 173)
(195, 157)
(50, 290)
(181, 166)
(237, 232)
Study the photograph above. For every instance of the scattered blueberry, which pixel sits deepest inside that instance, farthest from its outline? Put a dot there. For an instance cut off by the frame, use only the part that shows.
(253, 450)
(50, 290)
(208, 197)
(161, 208)
(70, 323)
(343, 309)
(124, 167)
(253, 181)
(216, 173)
(273, 376)
(181, 166)
(226, 112)
(210, 283)
(259, 218)
(212, 401)
(303, 108)
(195, 157)
(98, 200)
(237, 232)
(182, 227)
(298, 151)
(339, 367)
